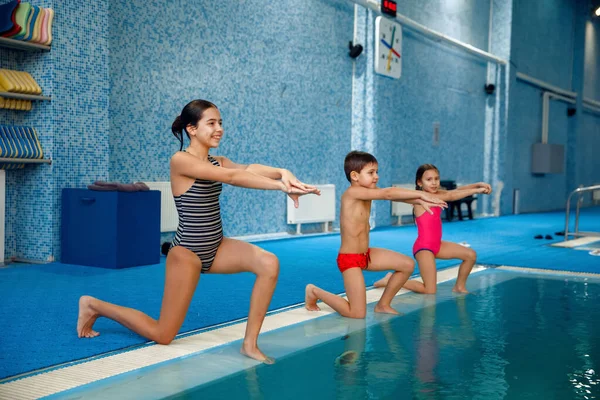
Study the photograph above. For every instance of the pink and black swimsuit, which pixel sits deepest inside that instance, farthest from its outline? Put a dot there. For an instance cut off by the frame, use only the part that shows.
(430, 231)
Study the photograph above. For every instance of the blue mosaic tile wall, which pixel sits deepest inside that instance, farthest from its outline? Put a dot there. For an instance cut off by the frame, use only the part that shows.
(73, 127)
(280, 75)
(81, 93)
(29, 191)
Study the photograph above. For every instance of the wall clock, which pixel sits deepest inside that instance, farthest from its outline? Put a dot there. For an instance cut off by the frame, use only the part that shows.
(388, 47)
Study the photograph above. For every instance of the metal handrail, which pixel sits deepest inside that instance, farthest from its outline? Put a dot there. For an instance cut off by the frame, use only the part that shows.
(577, 191)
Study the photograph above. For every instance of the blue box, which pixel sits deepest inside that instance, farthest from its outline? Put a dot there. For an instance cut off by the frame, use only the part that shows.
(110, 229)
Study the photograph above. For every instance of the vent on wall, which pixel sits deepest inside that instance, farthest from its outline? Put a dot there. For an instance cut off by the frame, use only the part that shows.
(313, 209)
(400, 209)
(168, 213)
(596, 195)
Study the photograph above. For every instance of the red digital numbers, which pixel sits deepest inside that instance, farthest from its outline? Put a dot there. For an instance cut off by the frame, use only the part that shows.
(388, 7)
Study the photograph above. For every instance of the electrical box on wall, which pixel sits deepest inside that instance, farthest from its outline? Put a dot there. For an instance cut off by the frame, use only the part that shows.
(547, 158)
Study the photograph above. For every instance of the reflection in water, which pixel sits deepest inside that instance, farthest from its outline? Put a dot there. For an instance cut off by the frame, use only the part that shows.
(516, 339)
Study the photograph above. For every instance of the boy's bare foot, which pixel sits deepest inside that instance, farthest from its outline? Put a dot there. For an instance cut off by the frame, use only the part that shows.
(383, 281)
(385, 309)
(310, 299)
(457, 289)
(255, 353)
(87, 317)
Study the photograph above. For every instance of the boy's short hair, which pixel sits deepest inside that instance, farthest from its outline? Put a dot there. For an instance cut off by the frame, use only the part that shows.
(356, 161)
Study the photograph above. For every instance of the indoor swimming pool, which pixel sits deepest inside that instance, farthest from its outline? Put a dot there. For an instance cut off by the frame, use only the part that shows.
(518, 335)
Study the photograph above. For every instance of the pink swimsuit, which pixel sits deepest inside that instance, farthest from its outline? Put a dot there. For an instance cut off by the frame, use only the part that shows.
(430, 231)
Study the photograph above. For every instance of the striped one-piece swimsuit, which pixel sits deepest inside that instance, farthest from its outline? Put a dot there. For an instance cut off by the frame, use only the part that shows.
(200, 229)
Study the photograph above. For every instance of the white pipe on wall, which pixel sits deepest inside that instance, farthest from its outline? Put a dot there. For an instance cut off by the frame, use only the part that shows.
(593, 109)
(547, 96)
(415, 26)
(544, 85)
(591, 103)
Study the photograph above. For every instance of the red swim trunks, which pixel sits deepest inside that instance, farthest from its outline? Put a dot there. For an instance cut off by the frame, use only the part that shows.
(347, 261)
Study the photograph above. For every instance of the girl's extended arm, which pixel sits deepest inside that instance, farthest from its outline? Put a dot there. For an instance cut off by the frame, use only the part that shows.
(476, 186)
(188, 165)
(457, 194)
(286, 176)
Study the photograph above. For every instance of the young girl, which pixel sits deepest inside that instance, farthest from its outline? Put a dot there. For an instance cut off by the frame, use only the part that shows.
(199, 245)
(429, 244)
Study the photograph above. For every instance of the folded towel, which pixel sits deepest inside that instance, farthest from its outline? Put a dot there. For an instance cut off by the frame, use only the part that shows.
(102, 188)
(120, 187)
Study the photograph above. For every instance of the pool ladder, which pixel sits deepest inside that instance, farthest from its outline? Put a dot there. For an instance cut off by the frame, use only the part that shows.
(576, 233)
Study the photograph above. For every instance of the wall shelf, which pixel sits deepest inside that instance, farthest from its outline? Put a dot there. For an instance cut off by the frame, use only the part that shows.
(26, 160)
(23, 96)
(21, 45)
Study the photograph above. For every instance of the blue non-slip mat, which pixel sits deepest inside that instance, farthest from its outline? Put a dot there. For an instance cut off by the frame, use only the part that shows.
(39, 302)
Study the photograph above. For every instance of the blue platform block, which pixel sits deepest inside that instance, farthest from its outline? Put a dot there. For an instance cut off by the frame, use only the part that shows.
(110, 229)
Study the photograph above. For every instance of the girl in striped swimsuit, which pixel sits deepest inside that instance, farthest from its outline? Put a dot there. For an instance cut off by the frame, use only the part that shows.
(199, 245)
(429, 244)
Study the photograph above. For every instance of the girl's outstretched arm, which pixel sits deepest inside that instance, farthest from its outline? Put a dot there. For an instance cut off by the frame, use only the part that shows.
(457, 194)
(476, 186)
(188, 165)
(270, 172)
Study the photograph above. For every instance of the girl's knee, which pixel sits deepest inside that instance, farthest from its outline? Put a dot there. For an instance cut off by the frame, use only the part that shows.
(471, 256)
(164, 336)
(269, 266)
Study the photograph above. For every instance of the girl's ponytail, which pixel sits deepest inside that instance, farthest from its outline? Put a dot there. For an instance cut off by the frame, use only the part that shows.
(177, 129)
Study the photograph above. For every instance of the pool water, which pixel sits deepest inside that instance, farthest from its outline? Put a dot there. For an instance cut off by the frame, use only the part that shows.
(518, 336)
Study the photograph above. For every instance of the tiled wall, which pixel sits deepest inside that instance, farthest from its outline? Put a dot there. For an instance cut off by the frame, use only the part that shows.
(29, 191)
(290, 96)
(280, 75)
(73, 127)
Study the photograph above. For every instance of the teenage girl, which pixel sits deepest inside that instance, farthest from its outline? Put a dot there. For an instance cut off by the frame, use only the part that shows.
(199, 245)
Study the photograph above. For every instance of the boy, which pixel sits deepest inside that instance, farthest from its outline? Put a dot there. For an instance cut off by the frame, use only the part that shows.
(355, 254)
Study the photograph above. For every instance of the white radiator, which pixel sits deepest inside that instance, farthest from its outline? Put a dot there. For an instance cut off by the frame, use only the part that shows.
(313, 208)
(400, 209)
(596, 194)
(168, 213)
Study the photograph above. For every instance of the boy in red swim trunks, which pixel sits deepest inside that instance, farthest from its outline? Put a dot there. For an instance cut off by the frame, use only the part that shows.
(355, 254)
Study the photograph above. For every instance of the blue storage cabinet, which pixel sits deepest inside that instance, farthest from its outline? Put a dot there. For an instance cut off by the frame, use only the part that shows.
(110, 229)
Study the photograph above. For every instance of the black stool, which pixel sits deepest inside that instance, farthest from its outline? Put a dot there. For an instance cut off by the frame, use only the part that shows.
(456, 205)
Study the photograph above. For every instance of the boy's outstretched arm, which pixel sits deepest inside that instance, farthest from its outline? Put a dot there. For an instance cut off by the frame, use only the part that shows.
(394, 194)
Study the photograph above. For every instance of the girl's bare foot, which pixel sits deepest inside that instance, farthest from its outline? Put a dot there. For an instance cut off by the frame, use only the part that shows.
(310, 299)
(457, 289)
(385, 309)
(87, 317)
(252, 351)
(383, 281)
